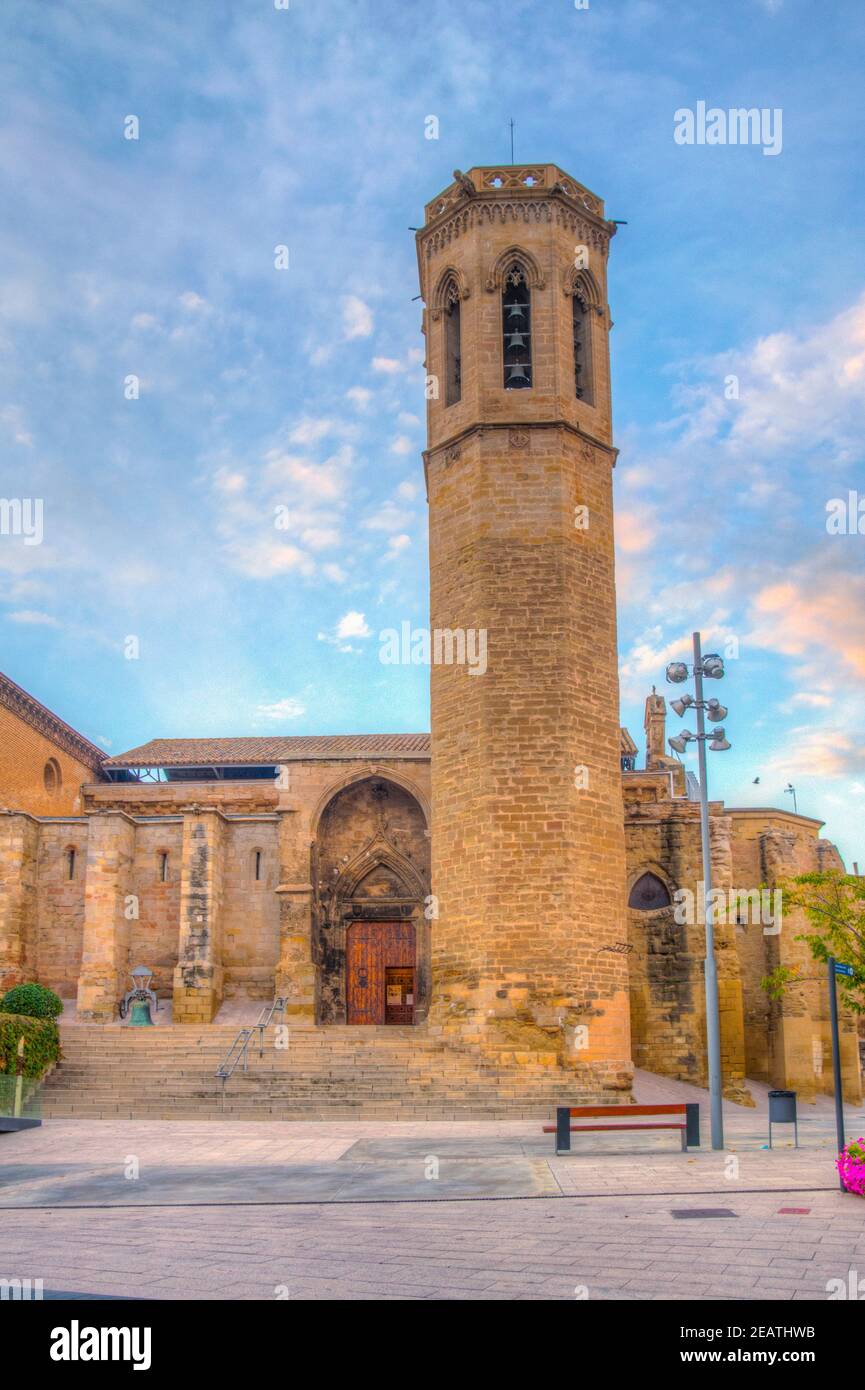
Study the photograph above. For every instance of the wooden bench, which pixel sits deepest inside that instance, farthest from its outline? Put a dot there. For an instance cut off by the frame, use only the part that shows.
(688, 1124)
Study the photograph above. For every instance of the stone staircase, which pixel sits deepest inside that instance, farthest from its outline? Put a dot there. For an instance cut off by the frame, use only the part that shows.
(111, 1072)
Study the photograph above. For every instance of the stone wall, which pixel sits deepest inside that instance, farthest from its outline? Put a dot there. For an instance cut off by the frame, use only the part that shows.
(528, 851)
(19, 838)
(153, 934)
(788, 1042)
(668, 1002)
(59, 925)
(209, 929)
(250, 945)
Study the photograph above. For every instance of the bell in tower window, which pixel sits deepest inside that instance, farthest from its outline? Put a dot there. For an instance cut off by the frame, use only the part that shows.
(517, 329)
(583, 351)
(453, 360)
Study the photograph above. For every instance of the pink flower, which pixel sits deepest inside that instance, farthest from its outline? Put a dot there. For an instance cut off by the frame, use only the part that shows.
(851, 1166)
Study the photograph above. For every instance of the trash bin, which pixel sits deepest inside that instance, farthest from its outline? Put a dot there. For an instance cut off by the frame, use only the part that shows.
(782, 1111)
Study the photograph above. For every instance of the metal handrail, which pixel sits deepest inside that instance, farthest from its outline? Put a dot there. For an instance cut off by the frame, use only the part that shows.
(239, 1050)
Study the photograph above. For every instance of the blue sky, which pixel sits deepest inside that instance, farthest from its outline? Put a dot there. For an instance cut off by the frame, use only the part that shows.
(303, 388)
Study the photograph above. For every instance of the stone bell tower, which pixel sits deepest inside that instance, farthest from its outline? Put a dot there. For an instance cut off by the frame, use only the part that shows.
(528, 856)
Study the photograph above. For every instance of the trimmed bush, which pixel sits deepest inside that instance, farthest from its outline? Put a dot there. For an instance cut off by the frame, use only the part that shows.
(33, 1000)
(41, 1044)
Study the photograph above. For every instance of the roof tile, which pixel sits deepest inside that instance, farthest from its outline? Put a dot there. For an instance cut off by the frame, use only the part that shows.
(247, 752)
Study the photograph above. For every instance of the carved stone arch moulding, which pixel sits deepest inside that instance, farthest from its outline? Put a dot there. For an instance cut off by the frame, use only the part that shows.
(584, 287)
(379, 853)
(369, 772)
(450, 281)
(532, 270)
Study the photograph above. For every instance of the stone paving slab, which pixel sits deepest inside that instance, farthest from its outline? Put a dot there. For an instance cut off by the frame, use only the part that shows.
(51, 1185)
(513, 1250)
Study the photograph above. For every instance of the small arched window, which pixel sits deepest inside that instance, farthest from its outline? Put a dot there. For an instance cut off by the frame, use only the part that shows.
(52, 777)
(256, 866)
(583, 375)
(453, 346)
(649, 893)
(163, 866)
(70, 863)
(517, 329)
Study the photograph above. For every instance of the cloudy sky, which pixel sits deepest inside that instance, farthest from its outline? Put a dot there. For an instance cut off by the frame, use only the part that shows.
(297, 393)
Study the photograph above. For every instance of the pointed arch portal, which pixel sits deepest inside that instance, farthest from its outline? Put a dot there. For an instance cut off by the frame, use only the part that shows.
(371, 884)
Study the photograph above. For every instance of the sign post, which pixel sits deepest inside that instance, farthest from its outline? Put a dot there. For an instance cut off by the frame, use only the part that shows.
(837, 968)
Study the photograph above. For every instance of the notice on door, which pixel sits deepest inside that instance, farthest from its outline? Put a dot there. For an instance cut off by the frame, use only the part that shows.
(394, 994)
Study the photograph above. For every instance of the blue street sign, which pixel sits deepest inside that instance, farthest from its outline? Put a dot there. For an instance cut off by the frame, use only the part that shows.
(843, 969)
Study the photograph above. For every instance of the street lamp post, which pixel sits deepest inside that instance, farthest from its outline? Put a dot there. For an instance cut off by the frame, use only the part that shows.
(709, 666)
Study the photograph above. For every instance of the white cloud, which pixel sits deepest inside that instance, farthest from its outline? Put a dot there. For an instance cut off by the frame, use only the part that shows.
(389, 517)
(633, 532)
(387, 364)
(402, 445)
(229, 481)
(287, 708)
(310, 480)
(309, 431)
(194, 302)
(268, 558)
(33, 618)
(13, 417)
(396, 545)
(320, 537)
(359, 396)
(357, 318)
(353, 624)
(813, 616)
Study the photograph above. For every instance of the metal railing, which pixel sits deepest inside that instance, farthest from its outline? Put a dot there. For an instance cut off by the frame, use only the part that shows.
(238, 1053)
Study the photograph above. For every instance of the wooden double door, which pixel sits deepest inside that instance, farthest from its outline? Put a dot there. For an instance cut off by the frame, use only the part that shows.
(380, 963)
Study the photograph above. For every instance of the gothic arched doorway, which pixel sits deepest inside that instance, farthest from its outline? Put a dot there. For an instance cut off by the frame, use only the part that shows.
(372, 945)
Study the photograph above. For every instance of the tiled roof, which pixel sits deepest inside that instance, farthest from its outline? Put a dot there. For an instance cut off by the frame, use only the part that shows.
(247, 752)
(39, 717)
(628, 745)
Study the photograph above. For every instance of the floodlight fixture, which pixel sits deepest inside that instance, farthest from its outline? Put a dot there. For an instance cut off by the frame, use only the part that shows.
(715, 711)
(712, 666)
(677, 672)
(680, 742)
(682, 704)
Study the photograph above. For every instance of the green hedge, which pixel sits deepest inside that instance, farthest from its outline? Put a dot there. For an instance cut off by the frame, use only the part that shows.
(41, 1047)
(35, 1000)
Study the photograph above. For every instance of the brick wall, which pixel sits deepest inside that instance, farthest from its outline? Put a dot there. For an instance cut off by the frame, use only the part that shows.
(24, 752)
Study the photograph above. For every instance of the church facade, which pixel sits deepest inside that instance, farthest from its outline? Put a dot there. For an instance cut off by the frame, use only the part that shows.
(512, 882)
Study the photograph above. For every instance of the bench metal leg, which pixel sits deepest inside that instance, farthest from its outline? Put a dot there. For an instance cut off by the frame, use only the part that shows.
(692, 1123)
(563, 1129)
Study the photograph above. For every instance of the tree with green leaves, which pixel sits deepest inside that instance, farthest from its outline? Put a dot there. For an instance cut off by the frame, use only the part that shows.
(834, 904)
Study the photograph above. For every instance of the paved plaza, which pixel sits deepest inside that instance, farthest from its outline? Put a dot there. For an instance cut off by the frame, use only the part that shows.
(429, 1210)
